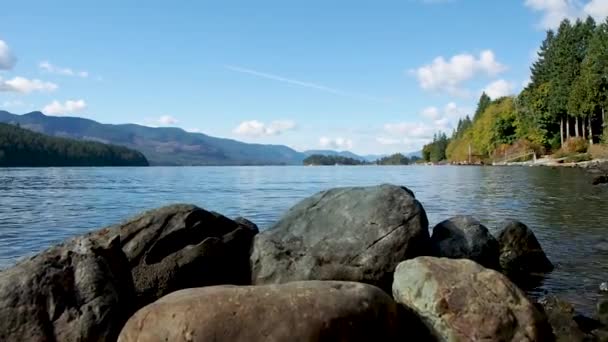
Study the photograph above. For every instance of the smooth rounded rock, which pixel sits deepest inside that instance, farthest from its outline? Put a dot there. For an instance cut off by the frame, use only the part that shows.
(182, 246)
(356, 234)
(459, 300)
(520, 251)
(298, 311)
(464, 237)
(80, 290)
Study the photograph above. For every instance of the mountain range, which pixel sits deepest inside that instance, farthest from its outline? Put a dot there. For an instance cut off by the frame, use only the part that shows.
(167, 145)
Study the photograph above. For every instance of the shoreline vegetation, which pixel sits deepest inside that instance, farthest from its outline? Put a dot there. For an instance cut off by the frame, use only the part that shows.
(560, 113)
(21, 147)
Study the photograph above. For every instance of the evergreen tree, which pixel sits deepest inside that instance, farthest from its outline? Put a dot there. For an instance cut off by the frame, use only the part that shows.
(484, 102)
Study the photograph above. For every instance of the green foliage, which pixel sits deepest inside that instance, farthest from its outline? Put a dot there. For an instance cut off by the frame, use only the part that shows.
(395, 159)
(319, 159)
(436, 150)
(21, 147)
(569, 80)
(484, 102)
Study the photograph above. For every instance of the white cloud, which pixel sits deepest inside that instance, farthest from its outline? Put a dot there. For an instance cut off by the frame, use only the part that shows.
(69, 106)
(430, 113)
(336, 143)
(257, 128)
(597, 8)
(412, 135)
(53, 69)
(389, 141)
(448, 75)
(411, 129)
(554, 11)
(167, 120)
(7, 59)
(23, 85)
(499, 88)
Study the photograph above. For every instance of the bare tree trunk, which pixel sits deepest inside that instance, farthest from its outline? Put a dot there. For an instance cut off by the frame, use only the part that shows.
(576, 126)
(590, 130)
(561, 132)
(567, 128)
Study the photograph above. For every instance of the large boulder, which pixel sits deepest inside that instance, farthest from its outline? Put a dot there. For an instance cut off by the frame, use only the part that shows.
(78, 291)
(182, 246)
(560, 315)
(298, 311)
(464, 237)
(520, 252)
(459, 300)
(356, 234)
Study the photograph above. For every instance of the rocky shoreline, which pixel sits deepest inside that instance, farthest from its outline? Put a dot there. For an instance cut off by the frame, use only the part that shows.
(347, 264)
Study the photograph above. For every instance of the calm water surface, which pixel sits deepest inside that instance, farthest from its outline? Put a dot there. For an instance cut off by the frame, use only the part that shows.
(42, 206)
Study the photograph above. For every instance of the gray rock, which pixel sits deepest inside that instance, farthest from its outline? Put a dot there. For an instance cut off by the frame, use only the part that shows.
(464, 237)
(356, 234)
(181, 246)
(560, 315)
(520, 251)
(602, 311)
(603, 287)
(459, 300)
(298, 311)
(78, 291)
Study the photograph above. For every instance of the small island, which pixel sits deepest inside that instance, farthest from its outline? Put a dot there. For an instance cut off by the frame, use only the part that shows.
(20, 147)
(394, 159)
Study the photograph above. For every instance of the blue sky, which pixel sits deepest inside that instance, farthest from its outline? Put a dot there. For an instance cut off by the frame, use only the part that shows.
(367, 76)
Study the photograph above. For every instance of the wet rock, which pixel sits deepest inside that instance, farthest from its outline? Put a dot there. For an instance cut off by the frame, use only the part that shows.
(80, 290)
(560, 315)
(298, 311)
(604, 287)
(602, 311)
(520, 251)
(181, 246)
(603, 179)
(356, 234)
(459, 300)
(464, 237)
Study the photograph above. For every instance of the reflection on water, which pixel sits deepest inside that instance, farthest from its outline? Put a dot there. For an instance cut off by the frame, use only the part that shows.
(40, 207)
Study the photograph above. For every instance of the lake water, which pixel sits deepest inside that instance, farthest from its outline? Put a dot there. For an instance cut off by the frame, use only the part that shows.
(43, 206)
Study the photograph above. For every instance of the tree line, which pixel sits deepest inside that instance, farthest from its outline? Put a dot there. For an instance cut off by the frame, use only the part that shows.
(25, 148)
(394, 159)
(565, 101)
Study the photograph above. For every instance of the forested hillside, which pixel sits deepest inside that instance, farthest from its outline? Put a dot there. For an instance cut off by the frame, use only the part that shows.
(21, 147)
(564, 104)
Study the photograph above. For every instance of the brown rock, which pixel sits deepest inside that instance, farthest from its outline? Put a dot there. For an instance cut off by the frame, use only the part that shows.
(299, 311)
(459, 300)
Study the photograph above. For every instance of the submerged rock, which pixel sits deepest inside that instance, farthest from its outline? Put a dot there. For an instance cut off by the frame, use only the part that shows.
(181, 246)
(602, 179)
(520, 251)
(78, 291)
(356, 234)
(459, 300)
(464, 237)
(299, 311)
(560, 315)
